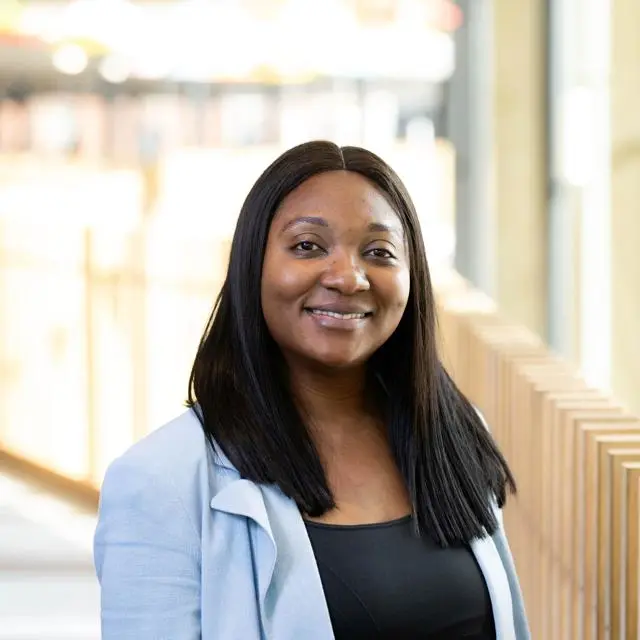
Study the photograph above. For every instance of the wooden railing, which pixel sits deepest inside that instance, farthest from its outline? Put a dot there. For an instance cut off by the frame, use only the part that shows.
(574, 525)
(98, 329)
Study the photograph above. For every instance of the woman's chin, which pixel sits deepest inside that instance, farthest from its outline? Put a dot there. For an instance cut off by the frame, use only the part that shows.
(338, 360)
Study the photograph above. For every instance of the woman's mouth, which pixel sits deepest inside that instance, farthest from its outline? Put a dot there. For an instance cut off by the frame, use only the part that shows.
(341, 315)
(334, 320)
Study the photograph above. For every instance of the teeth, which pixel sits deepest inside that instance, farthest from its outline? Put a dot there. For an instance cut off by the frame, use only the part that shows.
(336, 314)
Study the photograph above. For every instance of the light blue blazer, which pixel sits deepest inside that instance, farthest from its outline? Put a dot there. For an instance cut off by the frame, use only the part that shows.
(186, 550)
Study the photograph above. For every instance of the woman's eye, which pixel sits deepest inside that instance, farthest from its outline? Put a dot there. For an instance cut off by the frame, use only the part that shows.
(381, 253)
(306, 246)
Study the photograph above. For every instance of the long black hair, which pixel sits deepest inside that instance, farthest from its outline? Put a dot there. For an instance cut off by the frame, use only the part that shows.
(239, 389)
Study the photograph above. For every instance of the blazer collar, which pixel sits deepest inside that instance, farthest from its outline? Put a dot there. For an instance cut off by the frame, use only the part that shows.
(239, 496)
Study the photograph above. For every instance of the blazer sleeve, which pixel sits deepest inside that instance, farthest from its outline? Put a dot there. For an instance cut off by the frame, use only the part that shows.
(147, 558)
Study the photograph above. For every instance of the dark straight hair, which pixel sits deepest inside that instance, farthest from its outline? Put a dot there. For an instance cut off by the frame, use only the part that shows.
(239, 388)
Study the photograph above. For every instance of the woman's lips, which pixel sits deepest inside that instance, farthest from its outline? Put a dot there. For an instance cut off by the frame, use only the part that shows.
(346, 315)
(330, 319)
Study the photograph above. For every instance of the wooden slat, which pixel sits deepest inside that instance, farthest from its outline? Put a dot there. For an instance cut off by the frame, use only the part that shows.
(578, 421)
(621, 461)
(633, 558)
(608, 592)
(591, 436)
(628, 614)
(551, 479)
(601, 410)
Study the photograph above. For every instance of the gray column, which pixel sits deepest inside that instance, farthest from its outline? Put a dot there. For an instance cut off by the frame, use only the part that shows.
(469, 123)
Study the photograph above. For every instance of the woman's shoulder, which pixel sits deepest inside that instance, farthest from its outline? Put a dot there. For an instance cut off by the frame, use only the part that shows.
(172, 460)
(178, 444)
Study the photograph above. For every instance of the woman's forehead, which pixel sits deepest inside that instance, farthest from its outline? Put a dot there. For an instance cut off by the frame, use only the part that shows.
(337, 198)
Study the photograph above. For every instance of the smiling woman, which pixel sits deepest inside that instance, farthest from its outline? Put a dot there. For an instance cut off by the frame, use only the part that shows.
(329, 480)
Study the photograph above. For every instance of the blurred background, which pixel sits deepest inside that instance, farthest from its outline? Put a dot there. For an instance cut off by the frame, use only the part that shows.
(130, 132)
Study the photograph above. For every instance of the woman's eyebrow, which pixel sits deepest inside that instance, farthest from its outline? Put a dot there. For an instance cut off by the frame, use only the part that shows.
(313, 220)
(381, 228)
(391, 229)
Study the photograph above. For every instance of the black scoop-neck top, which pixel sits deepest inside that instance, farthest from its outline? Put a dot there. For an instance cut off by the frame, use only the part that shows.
(383, 582)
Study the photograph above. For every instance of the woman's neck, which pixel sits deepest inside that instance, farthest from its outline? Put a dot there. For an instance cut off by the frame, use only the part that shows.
(341, 414)
(329, 395)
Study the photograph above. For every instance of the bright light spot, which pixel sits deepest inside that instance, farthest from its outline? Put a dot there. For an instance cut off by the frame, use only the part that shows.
(115, 69)
(71, 59)
(579, 150)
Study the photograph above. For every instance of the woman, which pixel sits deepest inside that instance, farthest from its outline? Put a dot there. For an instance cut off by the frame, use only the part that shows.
(328, 480)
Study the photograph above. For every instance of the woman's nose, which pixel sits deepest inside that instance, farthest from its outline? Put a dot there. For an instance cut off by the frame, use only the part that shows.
(346, 275)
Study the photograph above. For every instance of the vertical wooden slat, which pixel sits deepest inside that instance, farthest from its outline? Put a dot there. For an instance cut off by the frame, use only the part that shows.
(551, 480)
(633, 554)
(628, 543)
(622, 461)
(578, 422)
(598, 410)
(623, 433)
(609, 533)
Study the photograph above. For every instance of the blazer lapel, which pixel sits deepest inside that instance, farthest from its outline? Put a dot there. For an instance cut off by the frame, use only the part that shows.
(244, 498)
(299, 607)
(498, 585)
(291, 599)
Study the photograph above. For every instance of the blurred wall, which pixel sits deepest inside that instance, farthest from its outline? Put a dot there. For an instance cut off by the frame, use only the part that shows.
(625, 200)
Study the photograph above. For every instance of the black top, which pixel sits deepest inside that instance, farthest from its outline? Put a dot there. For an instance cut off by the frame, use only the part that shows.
(382, 582)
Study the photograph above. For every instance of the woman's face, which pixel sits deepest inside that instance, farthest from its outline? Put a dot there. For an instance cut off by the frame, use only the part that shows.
(335, 278)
